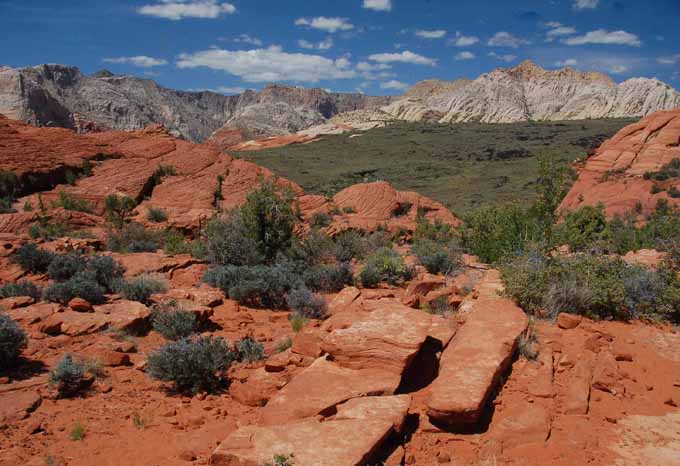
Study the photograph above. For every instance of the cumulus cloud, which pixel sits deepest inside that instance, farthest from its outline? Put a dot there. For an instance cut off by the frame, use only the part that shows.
(556, 30)
(602, 36)
(378, 5)
(140, 60)
(180, 9)
(505, 39)
(567, 62)
(325, 44)
(326, 24)
(425, 34)
(404, 57)
(585, 4)
(463, 41)
(246, 39)
(365, 66)
(394, 84)
(270, 64)
(465, 55)
(506, 58)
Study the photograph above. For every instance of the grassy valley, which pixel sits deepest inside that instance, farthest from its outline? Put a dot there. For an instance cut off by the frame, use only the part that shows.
(461, 165)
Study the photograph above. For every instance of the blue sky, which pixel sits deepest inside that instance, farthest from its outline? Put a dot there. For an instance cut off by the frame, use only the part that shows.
(372, 46)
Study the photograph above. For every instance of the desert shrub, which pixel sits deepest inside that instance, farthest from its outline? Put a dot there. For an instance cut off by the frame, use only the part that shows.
(105, 271)
(384, 265)
(250, 350)
(6, 206)
(227, 241)
(297, 321)
(161, 172)
(350, 245)
(305, 303)
(269, 217)
(82, 285)
(131, 238)
(9, 184)
(192, 364)
(437, 231)
(585, 228)
(141, 287)
(65, 266)
(156, 215)
(668, 171)
(316, 248)
(281, 460)
(68, 377)
(674, 192)
(33, 259)
(175, 243)
(329, 278)
(173, 322)
(259, 285)
(78, 432)
(320, 220)
(439, 306)
(12, 341)
(71, 202)
(438, 258)
(402, 208)
(118, 209)
(284, 344)
(48, 230)
(21, 288)
(527, 346)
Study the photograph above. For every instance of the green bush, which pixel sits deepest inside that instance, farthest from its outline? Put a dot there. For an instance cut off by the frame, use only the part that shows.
(48, 230)
(585, 228)
(307, 304)
(105, 271)
(12, 341)
(65, 266)
(350, 245)
(259, 285)
(438, 258)
(82, 285)
(70, 202)
(320, 220)
(141, 288)
(438, 306)
(133, 237)
(162, 172)
(227, 241)
(21, 288)
(173, 322)
(437, 231)
(269, 217)
(316, 248)
(250, 350)
(667, 172)
(118, 209)
(68, 377)
(281, 460)
(402, 208)
(328, 278)
(384, 265)
(33, 259)
(156, 215)
(176, 243)
(192, 365)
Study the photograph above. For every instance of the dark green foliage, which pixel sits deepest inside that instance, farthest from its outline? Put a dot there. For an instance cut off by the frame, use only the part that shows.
(173, 322)
(70, 202)
(65, 266)
(48, 230)
(227, 241)
(82, 285)
(250, 350)
(306, 304)
(68, 377)
(667, 172)
(585, 228)
(656, 189)
(384, 265)
(133, 237)
(161, 172)
(436, 231)
(316, 248)
(12, 341)
(320, 220)
(33, 259)
(141, 288)
(439, 306)
(281, 460)
(269, 218)
(22, 288)
(437, 257)
(328, 277)
(9, 184)
(105, 271)
(350, 245)
(402, 209)
(6, 206)
(674, 192)
(176, 243)
(596, 286)
(259, 285)
(157, 215)
(192, 364)
(118, 209)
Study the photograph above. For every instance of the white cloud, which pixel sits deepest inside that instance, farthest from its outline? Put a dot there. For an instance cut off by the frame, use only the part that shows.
(179, 9)
(230, 90)
(618, 69)
(585, 4)
(556, 30)
(436, 34)
(505, 39)
(602, 36)
(567, 62)
(270, 64)
(506, 58)
(246, 39)
(374, 71)
(378, 5)
(365, 66)
(465, 55)
(140, 60)
(670, 60)
(398, 85)
(404, 57)
(325, 44)
(463, 41)
(326, 24)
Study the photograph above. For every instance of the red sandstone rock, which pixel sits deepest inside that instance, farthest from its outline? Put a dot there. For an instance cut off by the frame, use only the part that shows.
(391, 408)
(80, 305)
(568, 321)
(120, 315)
(343, 300)
(18, 405)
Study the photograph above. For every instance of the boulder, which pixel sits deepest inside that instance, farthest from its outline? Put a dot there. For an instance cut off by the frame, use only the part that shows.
(343, 300)
(321, 387)
(117, 316)
(349, 442)
(80, 305)
(568, 321)
(391, 408)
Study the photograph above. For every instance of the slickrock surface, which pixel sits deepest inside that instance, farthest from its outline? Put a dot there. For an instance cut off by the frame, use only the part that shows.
(613, 176)
(472, 364)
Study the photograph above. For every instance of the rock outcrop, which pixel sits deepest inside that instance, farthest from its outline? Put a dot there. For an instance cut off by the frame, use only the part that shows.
(529, 92)
(58, 95)
(615, 175)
